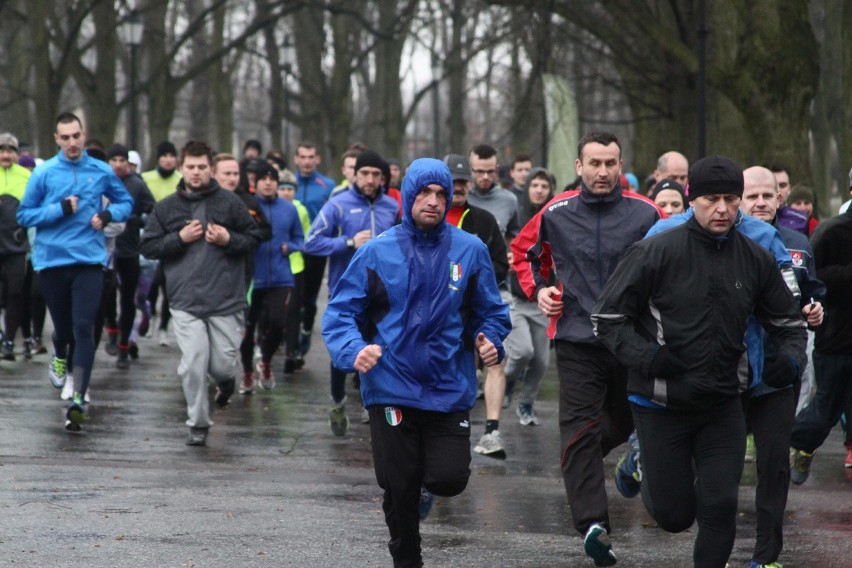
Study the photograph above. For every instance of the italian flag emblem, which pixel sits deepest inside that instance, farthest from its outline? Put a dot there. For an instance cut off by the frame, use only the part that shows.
(455, 271)
(393, 415)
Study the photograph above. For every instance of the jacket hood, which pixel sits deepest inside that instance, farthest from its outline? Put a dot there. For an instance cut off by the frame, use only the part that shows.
(423, 172)
(526, 210)
(195, 195)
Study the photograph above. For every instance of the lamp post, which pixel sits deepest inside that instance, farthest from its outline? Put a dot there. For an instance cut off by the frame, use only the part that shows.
(130, 32)
(285, 56)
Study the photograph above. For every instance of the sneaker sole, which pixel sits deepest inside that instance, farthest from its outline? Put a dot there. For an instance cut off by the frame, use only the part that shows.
(71, 427)
(76, 415)
(599, 549)
(498, 454)
(339, 427)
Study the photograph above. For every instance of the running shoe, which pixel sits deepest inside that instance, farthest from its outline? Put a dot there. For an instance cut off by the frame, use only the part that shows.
(8, 350)
(337, 419)
(526, 415)
(197, 436)
(38, 348)
(224, 391)
(628, 471)
(58, 372)
(75, 413)
(848, 454)
(427, 500)
(68, 389)
(304, 341)
(751, 452)
(491, 445)
(800, 466)
(756, 564)
(123, 360)
(267, 380)
(598, 546)
(111, 345)
(247, 384)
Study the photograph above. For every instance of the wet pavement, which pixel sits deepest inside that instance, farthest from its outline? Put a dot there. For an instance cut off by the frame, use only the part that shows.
(274, 487)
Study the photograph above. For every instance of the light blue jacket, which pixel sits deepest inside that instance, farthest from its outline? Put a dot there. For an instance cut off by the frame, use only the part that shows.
(63, 240)
(423, 297)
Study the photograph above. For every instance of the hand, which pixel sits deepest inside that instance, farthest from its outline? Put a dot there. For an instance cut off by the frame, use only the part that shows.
(191, 232)
(367, 358)
(779, 371)
(665, 365)
(69, 205)
(361, 237)
(96, 222)
(284, 249)
(511, 258)
(487, 352)
(217, 235)
(813, 312)
(550, 301)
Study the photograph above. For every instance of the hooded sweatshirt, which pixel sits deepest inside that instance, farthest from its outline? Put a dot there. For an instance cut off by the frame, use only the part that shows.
(423, 297)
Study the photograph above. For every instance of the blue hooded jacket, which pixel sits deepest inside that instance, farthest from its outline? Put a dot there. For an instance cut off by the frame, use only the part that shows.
(423, 297)
(271, 268)
(63, 240)
(341, 218)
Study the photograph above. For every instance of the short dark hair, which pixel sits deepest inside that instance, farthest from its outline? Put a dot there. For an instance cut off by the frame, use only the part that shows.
(68, 118)
(604, 138)
(252, 143)
(484, 151)
(195, 148)
(777, 168)
(521, 158)
(308, 145)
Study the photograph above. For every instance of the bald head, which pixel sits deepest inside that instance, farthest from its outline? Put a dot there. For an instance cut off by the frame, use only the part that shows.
(672, 165)
(760, 193)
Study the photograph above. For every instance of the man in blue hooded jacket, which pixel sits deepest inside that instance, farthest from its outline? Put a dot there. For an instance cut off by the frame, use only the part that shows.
(407, 314)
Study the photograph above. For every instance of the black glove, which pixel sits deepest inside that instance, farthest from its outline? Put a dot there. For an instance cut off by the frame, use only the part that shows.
(665, 365)
(779, 371)
(105, 217)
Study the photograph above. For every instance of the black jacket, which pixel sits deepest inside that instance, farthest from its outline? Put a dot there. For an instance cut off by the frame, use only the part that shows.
(127, 243)
(202, 279)
(479, 222)
(13, 238)
(832, 244)
(693, 293)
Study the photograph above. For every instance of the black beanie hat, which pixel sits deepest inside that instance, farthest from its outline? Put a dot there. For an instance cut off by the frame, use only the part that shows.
(715, 175)
(265, 169)
(372, 160)
(166, 147)
(118, 150)
(665, 184)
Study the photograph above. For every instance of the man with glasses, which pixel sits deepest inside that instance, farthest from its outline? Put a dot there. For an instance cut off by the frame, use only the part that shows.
(503, 205)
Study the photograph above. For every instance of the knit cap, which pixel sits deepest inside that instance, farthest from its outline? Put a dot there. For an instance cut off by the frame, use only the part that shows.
(715, 175)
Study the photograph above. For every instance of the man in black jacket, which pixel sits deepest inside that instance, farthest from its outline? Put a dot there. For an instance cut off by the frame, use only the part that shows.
(200, 231)
(674, 312)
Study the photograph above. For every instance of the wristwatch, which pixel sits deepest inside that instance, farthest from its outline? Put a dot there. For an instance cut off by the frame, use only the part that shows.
(350, 243)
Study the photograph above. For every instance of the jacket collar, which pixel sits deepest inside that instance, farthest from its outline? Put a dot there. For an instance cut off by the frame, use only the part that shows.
(589, 198)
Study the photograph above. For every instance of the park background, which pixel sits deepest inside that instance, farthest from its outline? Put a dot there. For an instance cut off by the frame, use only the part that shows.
(760, 81)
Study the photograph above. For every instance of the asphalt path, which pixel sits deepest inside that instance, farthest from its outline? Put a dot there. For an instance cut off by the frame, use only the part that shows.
(274, 486)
